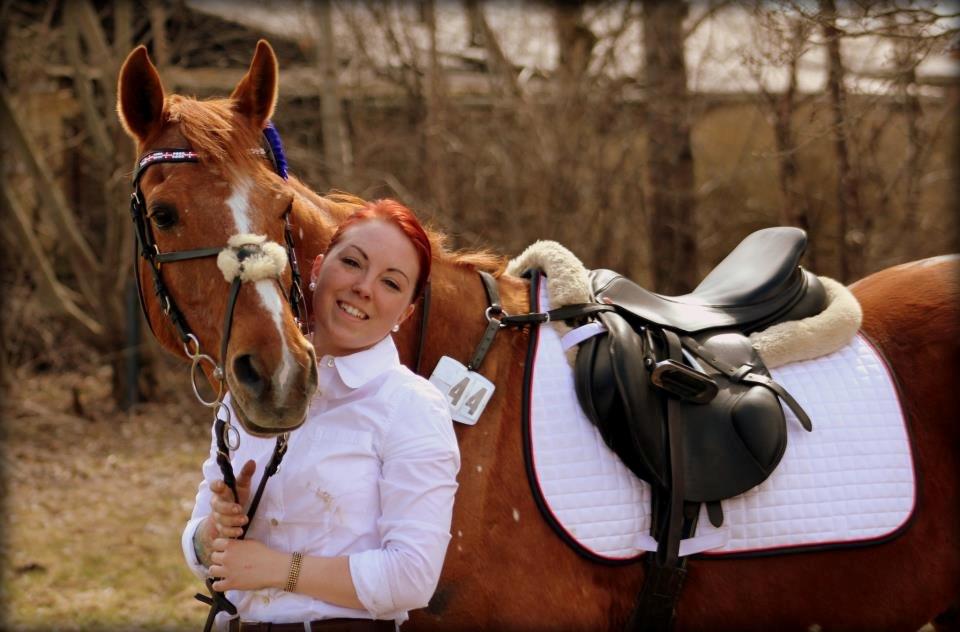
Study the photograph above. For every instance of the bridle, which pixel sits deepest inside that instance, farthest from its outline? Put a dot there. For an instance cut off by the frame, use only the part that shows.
(240, 248)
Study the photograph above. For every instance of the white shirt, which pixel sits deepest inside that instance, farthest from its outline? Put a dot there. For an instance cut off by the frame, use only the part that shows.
(370, 474)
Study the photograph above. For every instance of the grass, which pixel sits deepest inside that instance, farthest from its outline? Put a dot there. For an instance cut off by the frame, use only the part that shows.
(95, 500)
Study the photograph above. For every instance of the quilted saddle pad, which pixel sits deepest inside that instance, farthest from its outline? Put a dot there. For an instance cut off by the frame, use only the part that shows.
(849, 482)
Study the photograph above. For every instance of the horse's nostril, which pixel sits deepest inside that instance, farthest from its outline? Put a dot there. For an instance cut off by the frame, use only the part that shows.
(246, 373)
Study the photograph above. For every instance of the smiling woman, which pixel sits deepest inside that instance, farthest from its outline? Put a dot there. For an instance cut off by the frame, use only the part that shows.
(355, 527)
(378, 264)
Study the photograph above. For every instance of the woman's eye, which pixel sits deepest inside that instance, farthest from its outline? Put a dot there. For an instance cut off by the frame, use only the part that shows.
(163, 216)
(350, 261)
(393, 285)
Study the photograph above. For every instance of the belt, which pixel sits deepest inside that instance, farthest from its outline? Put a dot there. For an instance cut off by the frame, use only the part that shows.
(324, 625)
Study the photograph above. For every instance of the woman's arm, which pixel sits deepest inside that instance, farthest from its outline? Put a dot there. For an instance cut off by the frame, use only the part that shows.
(251, 565)
(420, 461)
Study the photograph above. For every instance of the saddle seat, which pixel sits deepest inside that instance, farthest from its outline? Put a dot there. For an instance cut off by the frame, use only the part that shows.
(758, 284)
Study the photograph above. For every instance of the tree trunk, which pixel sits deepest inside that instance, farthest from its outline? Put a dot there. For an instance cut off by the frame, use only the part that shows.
(852, 230)
(436, 120)
(670, 202)
(796, 208)
(336, 145)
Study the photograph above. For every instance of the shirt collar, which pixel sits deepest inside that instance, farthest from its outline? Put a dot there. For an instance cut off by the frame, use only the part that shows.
(359, 368)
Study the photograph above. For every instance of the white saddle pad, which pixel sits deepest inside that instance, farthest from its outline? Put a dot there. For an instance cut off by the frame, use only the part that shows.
(849, 481)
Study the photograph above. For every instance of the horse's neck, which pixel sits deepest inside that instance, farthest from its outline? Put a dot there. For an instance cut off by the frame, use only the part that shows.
(314, 219)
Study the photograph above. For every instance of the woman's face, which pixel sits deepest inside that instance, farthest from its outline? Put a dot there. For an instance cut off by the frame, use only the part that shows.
(365, 286)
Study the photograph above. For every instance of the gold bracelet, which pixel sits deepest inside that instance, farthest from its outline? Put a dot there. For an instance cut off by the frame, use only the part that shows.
(294, 573)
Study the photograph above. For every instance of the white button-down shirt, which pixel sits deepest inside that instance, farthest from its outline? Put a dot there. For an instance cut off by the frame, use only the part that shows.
(371, 474)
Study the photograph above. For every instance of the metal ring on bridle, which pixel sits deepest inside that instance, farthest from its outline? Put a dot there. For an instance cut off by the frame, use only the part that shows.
(500, 314)
(197, 360)
(191, 339)
(231, 436)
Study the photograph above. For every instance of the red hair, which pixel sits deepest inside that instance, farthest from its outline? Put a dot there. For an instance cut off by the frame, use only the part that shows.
(403, 218)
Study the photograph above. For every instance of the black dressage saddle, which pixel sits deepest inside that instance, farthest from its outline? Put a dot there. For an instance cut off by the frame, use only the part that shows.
(680, 395)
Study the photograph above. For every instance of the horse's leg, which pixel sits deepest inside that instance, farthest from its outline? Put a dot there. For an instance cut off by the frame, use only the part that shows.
(911, 314)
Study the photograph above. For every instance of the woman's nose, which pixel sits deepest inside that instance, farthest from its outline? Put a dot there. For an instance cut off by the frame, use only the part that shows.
(362, 287)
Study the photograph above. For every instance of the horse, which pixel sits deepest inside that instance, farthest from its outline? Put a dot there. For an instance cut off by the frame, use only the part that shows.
(505, 569)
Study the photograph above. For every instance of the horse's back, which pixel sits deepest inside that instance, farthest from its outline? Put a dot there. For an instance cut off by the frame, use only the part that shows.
(913, 303)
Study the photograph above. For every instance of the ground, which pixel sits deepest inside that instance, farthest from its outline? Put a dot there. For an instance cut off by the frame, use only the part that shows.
(95, 500)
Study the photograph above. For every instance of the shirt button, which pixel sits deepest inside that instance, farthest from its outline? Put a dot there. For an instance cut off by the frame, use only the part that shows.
(330, 362)
(274, 522)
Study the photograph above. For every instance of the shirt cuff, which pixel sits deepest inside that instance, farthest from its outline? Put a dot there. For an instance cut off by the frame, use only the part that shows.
(370, 584)
(189, 553)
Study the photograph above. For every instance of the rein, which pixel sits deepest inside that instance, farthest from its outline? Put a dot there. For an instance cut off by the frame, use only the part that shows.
(227, 436)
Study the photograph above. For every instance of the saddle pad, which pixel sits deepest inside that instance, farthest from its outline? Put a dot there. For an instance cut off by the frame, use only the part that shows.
(850, 481)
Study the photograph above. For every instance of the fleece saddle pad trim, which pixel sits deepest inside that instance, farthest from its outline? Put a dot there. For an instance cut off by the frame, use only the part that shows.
(849, 483)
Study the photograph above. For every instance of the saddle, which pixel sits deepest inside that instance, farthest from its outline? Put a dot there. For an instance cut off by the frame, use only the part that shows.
(679, 394)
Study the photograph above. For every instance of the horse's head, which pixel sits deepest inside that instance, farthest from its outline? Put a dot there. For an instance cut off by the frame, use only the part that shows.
(215, 241)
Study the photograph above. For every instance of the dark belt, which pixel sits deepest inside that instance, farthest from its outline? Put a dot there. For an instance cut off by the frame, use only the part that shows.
(324, 625)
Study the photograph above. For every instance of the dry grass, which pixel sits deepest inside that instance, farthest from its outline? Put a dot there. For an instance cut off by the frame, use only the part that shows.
(95, 501)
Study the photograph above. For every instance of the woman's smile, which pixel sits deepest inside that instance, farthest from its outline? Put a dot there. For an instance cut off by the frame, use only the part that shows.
(352, 311)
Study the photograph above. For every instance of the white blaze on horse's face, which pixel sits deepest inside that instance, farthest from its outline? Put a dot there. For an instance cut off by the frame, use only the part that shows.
(267, 289)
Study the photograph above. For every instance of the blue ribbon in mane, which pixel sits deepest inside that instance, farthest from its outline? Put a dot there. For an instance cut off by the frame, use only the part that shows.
(276, 146)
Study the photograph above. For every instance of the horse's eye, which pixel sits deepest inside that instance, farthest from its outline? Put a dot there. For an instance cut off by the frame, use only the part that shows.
(163, 215)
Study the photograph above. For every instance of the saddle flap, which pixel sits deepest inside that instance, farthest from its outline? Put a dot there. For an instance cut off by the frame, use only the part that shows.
(734, 443)
(613, 387)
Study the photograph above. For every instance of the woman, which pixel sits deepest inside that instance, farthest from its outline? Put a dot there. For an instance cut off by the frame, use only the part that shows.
(355, 524)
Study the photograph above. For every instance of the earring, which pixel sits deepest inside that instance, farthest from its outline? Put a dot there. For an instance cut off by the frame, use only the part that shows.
(312, 286)
(395, 328)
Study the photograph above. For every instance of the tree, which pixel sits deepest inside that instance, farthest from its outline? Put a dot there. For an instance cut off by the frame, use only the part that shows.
(669, 175)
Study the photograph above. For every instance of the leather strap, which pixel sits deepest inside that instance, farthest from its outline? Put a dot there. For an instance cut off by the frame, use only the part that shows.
(217, 600)
(424, 321)
(566, 312)
(745, 374)
(666, 570)
(324, 625)
(494, 311)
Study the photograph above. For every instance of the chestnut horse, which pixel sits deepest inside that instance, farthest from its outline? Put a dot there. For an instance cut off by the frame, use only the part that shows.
(505, 569)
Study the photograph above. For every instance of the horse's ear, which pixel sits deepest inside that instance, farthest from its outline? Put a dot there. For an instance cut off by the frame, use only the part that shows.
(139, 95)
(256, 94)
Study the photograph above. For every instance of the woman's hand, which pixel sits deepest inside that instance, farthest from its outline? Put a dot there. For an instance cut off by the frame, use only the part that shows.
(226, 517)
(247, 565)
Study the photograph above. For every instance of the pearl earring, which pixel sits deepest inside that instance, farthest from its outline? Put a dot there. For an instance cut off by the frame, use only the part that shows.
(312, 286)
(395, 328)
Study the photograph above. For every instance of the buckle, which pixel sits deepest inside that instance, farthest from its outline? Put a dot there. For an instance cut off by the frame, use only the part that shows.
(683, 382)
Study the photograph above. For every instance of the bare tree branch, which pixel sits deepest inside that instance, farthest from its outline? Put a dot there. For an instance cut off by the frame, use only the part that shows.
(498, 60)
(42, 269)
(61, 213)
(91, 113)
